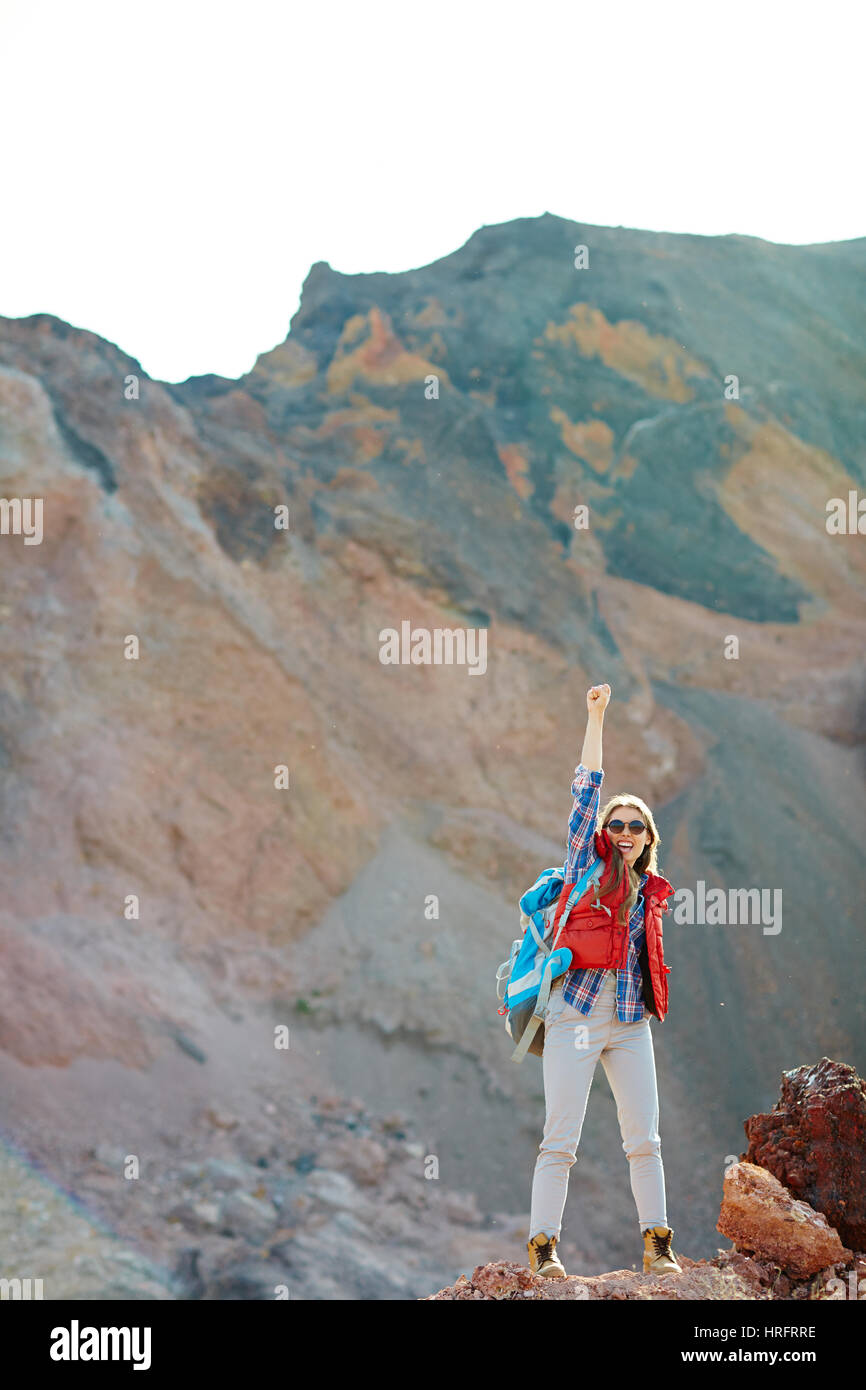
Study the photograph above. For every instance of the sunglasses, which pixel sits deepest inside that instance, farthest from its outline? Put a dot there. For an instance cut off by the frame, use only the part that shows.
(635, 826)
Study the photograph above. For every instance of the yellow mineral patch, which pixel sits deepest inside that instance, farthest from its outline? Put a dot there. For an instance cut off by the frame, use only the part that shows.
(626, 466)
(369, 409)
(289, 364)
(353, 478)
(656, 363)
(777, 493)
(516, 465)
(366, 416)
(353, 328)
(380, 358)
(366, 423)
(368, 442)
(433, 315)
(413, 450)
(589, 440)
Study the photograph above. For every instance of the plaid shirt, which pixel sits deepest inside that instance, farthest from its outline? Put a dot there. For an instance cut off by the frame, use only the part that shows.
(581, 986)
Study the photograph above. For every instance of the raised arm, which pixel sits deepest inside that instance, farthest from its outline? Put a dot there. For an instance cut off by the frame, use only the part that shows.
(596, 703)
(588, 777)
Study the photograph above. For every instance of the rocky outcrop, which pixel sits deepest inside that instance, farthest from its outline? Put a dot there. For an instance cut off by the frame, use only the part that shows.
(729, 1277)
(814, 1141)
(762, 1218)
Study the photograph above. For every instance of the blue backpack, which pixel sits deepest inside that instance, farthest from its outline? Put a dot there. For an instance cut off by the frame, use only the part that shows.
(534, 961)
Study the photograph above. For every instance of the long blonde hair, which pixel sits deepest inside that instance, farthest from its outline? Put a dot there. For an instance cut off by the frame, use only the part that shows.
(646, 861)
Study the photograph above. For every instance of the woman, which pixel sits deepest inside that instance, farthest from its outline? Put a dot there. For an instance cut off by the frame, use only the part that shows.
(603, 1010)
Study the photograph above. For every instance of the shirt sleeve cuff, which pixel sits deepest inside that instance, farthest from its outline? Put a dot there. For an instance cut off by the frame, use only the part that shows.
(584, 776)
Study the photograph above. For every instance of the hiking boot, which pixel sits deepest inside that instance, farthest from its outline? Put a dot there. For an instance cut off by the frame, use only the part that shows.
(543, 1258)
(658, 1257)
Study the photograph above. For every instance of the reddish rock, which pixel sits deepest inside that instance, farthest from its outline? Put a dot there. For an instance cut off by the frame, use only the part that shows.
(729, 1276)
(814, 1141)
(504, 1280)
(762, 1218)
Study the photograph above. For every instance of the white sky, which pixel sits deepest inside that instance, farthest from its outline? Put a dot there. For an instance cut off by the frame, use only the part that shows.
(172, 169)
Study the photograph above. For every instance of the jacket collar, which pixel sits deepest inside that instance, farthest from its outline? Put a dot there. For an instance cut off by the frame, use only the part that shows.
(658, 886)
(650, 883)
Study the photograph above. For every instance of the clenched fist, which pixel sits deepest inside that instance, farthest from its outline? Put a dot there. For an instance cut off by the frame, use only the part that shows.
(597, 697)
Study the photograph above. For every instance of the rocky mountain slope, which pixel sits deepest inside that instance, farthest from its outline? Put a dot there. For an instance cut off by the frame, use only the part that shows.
(304, 907)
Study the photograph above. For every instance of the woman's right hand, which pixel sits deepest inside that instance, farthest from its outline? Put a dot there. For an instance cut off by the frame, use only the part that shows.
(597, 698)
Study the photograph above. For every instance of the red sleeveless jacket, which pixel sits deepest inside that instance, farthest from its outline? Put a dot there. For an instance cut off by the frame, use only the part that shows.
(597, 941)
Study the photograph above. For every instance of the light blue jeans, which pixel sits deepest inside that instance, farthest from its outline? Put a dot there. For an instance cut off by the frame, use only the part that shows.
(573, 1044)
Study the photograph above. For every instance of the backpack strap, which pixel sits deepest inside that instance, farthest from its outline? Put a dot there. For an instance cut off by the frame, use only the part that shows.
(539, 939)
(572, 893)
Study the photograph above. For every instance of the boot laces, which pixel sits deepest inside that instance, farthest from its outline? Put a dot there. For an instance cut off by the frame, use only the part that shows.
(662, 1244)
